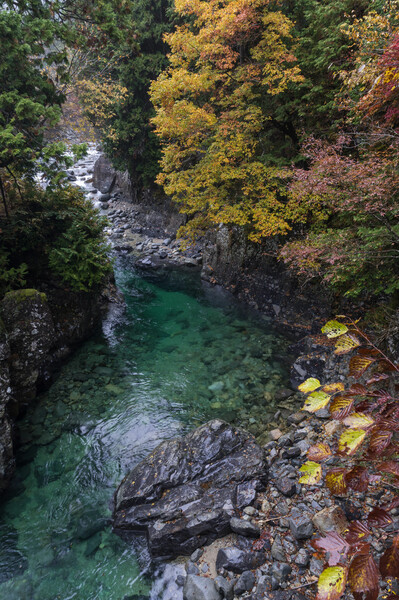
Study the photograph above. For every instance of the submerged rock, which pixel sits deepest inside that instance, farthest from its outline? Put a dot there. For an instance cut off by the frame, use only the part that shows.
(186, 492)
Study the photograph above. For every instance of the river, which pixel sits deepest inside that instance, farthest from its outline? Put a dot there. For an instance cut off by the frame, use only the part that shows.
(179, 353)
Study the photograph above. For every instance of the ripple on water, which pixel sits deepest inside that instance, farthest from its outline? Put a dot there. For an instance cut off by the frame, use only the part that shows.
(175, 357)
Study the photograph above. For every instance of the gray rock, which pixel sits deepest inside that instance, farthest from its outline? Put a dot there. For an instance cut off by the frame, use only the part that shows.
(224, 587)
(281, 571)
(185, 493)
(245, 528)
(286, 486)
(278, 550)
(196, 555)
(316, 566)
(302, 558)
(236, 560)
(301, 525)
(192, 569)
(200, 588)
(245, 583)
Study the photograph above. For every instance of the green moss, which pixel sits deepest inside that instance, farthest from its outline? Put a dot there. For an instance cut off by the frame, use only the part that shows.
(22, 295)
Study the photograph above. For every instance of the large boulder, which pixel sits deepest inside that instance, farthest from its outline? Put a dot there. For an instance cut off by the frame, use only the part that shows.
(186, 492)
(7, 462)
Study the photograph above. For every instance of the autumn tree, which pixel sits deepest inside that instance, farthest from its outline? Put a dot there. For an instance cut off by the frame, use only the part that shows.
(211, 109)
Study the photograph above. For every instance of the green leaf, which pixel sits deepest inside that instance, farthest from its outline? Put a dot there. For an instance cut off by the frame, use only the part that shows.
(351, 440)
(331, 584)
(309, 385)
(334, 329)
(311, 473)
(315, 401)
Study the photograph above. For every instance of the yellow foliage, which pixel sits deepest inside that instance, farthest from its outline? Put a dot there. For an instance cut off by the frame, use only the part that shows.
(209, 117)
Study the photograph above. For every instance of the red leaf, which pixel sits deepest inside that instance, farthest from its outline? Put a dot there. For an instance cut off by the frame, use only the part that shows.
(341, 407)
(358, 479)
(335, 545)
(357, 389)
(389, 561)
(378, 517)
(379, 441)
(357, 532)
(390, 466)
(363, 575)
(377, 377)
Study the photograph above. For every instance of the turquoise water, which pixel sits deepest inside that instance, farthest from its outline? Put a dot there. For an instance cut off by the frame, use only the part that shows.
(179, 354)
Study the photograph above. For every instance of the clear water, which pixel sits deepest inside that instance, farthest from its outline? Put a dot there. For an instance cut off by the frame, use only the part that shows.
(179, 354)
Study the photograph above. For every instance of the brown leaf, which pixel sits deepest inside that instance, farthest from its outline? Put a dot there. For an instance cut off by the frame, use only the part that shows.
(389, 561)
(357, 479)
(335, 481)
(379, 440)
(363, 575)
(336, 546)
(378, 517)
(359, 364)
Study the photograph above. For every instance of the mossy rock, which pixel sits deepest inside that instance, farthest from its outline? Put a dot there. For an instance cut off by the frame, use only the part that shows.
(19, 296)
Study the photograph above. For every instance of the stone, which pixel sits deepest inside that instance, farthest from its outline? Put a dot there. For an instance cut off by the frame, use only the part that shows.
(297, 418)
(331, 518)
(278, 550)
(196, 555)
(302, 558)
(236, 560)
(316, 566)
(292, 452)
(192, 569)
(281, 571)
(275, 434)
(301, 525)
(245, 583)
(224, 587)
(286, 486)
(245, 528)
(186, 492)
(200, 588)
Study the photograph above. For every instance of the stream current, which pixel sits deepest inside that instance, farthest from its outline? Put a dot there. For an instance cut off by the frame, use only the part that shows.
(178, 354)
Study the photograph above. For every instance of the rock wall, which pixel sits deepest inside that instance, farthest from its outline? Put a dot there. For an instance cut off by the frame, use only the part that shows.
(37, 331)
(154, 210)
(254, 274)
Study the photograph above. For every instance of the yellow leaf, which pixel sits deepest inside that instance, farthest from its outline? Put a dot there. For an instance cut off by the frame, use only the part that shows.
(311, 473)
(359, 421)
(331, 584)
(346, 343)
(319, 452)
(334, 329)
(331, 388)
(309, 385)
(351, 440)
(316, 401)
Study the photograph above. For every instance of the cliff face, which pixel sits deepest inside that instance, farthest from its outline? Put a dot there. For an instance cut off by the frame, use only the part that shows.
(253, 273)
(37, 331)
